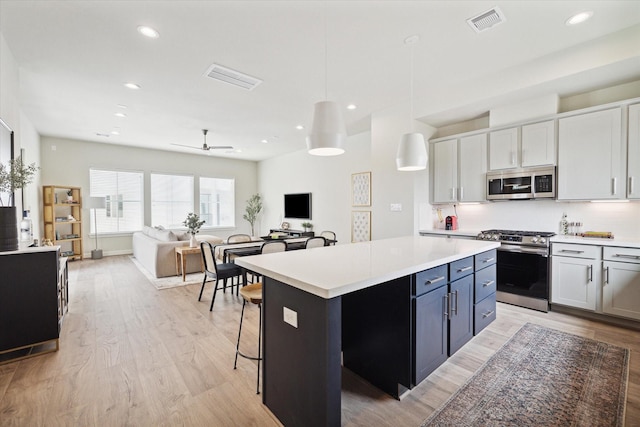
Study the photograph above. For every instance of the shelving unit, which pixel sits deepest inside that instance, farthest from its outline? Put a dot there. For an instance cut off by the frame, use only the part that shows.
(58, 227)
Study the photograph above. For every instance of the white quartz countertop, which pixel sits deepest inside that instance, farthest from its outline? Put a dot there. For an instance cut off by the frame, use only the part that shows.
(332, 271)
(623, 242)
(452, 233)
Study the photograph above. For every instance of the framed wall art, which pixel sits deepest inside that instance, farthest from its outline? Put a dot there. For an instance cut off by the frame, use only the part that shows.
(360, 226)
(361, 189)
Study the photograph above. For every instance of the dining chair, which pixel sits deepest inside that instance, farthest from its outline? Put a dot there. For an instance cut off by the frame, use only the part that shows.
(329, 235)
(219, 272)
(238, 238)
(315, 242)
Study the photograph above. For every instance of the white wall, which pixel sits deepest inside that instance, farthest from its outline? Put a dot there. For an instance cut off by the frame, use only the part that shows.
(70, 161)
(25, 135)
(328, 179)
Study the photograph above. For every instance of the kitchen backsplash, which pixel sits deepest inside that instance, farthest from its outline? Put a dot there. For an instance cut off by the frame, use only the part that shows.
(622, 219)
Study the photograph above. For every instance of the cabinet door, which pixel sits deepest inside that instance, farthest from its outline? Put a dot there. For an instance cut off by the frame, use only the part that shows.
(539, 144)
(621, 289)
(633, 180)
(473, 169)
(503, 149)
(430, 333)
(445, 171)
(591, 156)
(574, 282)
(461, 318)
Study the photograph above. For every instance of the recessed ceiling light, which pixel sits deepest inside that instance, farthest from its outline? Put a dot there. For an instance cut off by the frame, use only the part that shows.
(115, 132)
(148, 32)
(352, 107)
(120, 115)
(264, 141)
(579, 18)
(299, 127)
(132, 86)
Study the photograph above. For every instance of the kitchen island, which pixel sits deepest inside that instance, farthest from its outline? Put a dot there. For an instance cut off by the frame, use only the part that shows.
(355, 298)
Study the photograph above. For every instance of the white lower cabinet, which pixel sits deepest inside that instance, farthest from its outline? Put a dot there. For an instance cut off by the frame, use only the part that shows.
(605, 279)
(575, 275)
(621, 282)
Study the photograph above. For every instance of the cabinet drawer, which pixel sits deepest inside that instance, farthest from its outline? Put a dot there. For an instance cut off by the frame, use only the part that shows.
(485, 283)
(611, 253)
(430, 279)
(485, 313)
(576, 251)
(485, 259)
(462, 267)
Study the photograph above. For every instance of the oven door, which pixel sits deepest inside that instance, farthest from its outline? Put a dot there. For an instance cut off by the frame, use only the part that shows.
(523, 276)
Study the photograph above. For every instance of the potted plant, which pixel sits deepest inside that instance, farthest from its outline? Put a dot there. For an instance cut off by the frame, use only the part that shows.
(13, 176)
(307, 226)
(69, 195)
(193, 223)
(253, 209)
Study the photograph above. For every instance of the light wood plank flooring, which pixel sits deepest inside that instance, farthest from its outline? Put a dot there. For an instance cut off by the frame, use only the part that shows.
(134, 356)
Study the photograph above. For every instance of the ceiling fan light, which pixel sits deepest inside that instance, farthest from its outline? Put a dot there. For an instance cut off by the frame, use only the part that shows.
(328, 131)
(412, 153)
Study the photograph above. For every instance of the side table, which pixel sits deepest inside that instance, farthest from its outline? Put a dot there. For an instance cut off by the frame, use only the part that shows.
(181, 259)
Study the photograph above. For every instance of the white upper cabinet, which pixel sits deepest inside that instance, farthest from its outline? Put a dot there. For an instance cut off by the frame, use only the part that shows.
(504, 152)
(591, 156)
(445, 171)
(539, 144)
(633, 168)
(473, 169)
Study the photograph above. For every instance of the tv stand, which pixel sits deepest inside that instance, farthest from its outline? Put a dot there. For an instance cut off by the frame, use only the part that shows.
(293, 233)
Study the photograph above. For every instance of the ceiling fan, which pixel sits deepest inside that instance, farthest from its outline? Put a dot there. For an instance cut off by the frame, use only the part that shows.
(206, 147)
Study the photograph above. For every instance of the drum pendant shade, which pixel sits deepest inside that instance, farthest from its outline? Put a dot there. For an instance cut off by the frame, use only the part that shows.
(328, 131)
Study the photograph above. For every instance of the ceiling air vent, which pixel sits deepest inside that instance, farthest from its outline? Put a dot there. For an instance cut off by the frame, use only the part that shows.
(486, 20)
(227, 75)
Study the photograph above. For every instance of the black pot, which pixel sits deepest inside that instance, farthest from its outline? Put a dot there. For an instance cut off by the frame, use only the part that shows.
(8, 229)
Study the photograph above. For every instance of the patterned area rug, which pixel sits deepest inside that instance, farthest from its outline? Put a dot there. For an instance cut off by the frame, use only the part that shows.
(543, 377)
(168, 282)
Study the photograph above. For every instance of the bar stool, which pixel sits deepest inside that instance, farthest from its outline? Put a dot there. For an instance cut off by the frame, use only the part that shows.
(253, 294)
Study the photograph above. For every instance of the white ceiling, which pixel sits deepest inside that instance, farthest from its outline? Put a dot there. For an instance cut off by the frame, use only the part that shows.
(74, 57)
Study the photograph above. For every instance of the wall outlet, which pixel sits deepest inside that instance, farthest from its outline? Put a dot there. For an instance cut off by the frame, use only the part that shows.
(396, 207)
(290, 316)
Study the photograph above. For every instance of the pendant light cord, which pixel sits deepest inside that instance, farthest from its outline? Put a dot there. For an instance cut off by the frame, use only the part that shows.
(326, 75)
(411, 40)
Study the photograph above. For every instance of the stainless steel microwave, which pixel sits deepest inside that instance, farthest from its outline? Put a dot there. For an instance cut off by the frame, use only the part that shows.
(528, 183)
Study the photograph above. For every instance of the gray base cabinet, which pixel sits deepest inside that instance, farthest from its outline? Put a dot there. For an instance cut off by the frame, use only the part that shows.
(484, 309)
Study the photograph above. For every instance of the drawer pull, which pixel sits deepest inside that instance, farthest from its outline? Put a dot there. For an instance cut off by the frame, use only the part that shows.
(435, 280)
(570, 251)
(486, 260)
(447, 304)
(487, 314)
(606, 275)
(455, 310)
(590, 271)
(460, 270)
(627, 256)
(488, 283)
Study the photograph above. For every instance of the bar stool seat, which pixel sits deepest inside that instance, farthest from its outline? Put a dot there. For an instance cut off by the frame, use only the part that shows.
(252, 294)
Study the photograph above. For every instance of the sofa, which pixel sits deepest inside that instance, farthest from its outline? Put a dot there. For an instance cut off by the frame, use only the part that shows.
(154, 249)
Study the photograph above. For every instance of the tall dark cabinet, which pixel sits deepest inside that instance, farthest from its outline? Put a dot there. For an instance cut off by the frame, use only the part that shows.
(33, 300)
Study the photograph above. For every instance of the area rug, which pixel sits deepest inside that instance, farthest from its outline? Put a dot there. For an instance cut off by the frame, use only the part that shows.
(170, 281)
(543, 377)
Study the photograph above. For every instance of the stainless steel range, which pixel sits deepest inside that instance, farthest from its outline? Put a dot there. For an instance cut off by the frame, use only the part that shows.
(523, 267)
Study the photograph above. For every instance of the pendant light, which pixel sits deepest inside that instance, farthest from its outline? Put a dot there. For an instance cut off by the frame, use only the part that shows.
(412, 152)
(328, 132)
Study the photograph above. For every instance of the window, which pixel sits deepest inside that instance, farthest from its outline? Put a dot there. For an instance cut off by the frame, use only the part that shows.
(217, 202)
(123, 195)
(171, 199)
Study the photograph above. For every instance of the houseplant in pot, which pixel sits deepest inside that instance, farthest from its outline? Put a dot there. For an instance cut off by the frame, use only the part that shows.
(13, 176)
(193, 223)
(253, 209)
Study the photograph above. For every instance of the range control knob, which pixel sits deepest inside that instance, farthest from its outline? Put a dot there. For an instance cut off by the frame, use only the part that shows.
(534, 239)
(543, 240)
(495, 237)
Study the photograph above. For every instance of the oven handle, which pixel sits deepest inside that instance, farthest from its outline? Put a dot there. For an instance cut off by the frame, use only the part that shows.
(524, 249)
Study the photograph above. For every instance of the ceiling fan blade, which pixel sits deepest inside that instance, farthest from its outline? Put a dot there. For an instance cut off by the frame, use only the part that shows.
(189, 146)
(220, 147)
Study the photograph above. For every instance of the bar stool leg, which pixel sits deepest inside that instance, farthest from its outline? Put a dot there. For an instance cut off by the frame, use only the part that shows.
(259, 346)
(235, 363)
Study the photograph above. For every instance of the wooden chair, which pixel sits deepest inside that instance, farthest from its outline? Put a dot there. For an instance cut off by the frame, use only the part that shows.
(329, 235)
(219, 272)
(238, 238)
(315, 242)
(267, 248)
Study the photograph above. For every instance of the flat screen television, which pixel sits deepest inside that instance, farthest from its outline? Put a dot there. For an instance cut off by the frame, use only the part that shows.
(297, 206)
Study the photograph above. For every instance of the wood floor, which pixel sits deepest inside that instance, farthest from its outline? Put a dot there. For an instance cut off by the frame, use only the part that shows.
(134, 356)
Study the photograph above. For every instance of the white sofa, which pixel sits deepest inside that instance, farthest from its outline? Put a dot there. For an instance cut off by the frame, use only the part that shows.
(154, 249)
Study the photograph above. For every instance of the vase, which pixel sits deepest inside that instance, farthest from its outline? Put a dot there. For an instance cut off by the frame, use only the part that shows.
(193, 243)
(8, 229)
